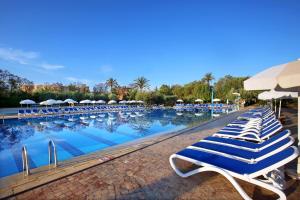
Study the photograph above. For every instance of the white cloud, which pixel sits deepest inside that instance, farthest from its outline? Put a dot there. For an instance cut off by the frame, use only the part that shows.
(106, 68)
(26, 58)
(51, 67)
(74, 79)
(18, 55)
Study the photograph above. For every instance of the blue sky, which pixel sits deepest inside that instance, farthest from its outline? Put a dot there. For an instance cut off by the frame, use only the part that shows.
(175, 41)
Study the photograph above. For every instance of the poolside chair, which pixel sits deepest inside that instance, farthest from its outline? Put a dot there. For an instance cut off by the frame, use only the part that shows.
(45, 111)
(246, 145)
(28, 112)
(232, 168)
(35, 111)
(21, 113)
(253, 127)
(247, 123)
(242, 154)
(56, 111)
(251, 135)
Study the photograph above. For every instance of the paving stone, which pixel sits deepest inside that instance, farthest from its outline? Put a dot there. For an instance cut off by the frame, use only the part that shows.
(146, 174)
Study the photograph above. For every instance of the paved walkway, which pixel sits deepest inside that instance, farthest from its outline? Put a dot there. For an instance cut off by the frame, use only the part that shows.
(146, 174)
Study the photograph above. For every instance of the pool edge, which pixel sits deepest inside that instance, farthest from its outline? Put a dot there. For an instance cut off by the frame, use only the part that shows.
(15, 184)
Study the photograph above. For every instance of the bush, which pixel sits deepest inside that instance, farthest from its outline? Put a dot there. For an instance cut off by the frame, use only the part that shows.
(170, 100)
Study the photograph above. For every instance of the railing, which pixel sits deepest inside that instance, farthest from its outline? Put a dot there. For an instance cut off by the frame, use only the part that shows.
(25, 161)
(52, 153)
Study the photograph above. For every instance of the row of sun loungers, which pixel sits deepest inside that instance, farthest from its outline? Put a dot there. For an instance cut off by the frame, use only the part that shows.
(218, 108)
(75, 110)
(252, 148)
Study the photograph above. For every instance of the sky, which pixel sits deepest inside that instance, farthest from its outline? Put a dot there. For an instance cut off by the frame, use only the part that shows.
(167, 41)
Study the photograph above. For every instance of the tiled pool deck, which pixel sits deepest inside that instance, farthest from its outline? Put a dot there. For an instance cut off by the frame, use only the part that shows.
(146, 174)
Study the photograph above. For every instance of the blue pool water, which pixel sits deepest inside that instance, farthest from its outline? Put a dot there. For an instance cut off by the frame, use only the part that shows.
(76, 135)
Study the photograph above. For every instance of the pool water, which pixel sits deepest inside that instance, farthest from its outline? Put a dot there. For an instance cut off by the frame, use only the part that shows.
(76, 135)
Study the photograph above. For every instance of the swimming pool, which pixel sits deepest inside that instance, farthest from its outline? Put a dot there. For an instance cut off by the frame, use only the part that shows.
(76, 135)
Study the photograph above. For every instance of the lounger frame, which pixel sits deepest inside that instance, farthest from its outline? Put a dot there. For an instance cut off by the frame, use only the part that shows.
(270, 183)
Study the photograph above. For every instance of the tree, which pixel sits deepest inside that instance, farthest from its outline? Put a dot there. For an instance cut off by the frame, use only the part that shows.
(100, 88)
(112, 83)
(165, 90)
(141, 83)
(208, 77)
(122, 92)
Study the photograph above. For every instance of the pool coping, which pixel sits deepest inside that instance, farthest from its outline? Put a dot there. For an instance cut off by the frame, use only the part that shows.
(18, 183)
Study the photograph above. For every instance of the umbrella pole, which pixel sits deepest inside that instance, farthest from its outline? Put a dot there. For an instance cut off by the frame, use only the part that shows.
(279, 109)
(298, 164)
(271, 104)
(275, 106)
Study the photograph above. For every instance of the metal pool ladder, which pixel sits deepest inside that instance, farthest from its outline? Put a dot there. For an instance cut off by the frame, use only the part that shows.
(25, 160)
(52, 153)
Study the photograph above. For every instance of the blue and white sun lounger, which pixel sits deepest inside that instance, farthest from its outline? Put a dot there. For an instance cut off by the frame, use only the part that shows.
(254, 128)
(232, 168)
(241, 154)
(28, 112)
(246, 145)
(251, 135)
(252, 123)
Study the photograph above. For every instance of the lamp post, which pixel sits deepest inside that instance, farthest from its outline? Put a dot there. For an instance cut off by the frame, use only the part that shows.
(212, 101)
(237, 99)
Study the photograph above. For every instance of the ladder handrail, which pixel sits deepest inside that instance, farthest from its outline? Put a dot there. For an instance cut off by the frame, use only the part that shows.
(25, 160)
(52, 153)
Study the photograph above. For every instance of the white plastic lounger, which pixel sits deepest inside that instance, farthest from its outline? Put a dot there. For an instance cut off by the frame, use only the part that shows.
(250, 135)
(241, 154)
(232, 168)
(255, 129)
(249, 146)
(252, 123)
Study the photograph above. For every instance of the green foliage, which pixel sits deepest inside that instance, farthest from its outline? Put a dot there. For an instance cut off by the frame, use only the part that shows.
(170, 100)
(13, 89)
(112, 96)
(152, 98)
(141, 83)
(165, 90)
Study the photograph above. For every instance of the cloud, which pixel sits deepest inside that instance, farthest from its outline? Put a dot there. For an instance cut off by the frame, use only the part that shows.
(18, 55)
(26, 58)
(74, 79)
(106, 69)
(51, 67)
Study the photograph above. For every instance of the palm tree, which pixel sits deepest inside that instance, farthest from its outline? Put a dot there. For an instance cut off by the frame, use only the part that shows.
(141, 83)
(208, 77)
(111, 83)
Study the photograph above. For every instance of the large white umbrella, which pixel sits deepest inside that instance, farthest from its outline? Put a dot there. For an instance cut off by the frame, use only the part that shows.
(101, 101)
(43, 103)
(272, 94)
(216, 100)
(123, 102)
(27, 101)
(282, 77)
(140, 101)
(285, 75)
(85, 101)
(112, 102)
(132, 101)
(48, 102)
(198, 100)
(59, 102)
(70, 101)
(180, 101)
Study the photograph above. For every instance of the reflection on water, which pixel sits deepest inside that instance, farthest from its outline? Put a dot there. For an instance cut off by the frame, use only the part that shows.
(140, 123)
